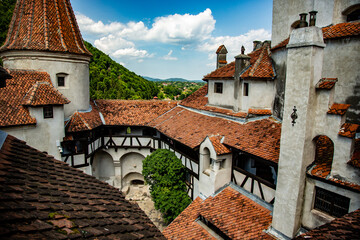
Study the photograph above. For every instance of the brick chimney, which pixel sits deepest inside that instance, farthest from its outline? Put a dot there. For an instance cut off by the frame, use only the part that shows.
(221, 56)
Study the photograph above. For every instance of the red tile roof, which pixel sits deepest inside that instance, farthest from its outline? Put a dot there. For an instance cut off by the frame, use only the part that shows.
(341, 30)
(260, 67)
(348, 130)
(82, 121)
(259, 111)
(44, 93)
(349, 29)
(44, 25)
(43, 198)
(132, 112)
(198, 100)
(220, 148)
(346, 227)
(260, 138)
(326, 83)
(224, 73)
(231, 212)
(260, 64)
(338, 109)
(12, 112)
(220, 47)
(355, 158)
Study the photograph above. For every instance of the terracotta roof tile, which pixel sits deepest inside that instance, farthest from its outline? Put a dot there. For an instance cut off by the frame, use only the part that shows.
(338, 109)
(132, 112)
(220, 148)
(260, 138)
(260, 64)
(43, 93)
(232, 213)
(260, 67)
(281, 45)
(198, 100)
(326, 83)
(224, 73)
(220, 47)
(12, 112)
(44, 25)
(350, 29)
(355, 158)
(82, 121)
(346, 227)
(348, 130)
(341, 30)
(42, 198)
(259, 111)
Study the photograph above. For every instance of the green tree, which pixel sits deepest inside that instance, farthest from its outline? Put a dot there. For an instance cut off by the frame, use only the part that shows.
(165, 174)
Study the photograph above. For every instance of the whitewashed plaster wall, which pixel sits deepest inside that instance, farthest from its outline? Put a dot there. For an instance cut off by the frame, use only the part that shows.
(211, 179)
(313, 218)
(75, 66)
(304, 63)
(224, 99)
(261, 94)
(286, 12)
(47, 132)
(103, 167)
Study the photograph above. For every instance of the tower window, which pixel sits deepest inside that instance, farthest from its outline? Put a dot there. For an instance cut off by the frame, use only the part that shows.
(218, 88)
(48, 111)
(61, 81)
(331, 203)
(246, 89)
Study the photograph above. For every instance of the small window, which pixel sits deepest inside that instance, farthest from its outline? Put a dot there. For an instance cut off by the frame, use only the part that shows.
(246, 89)
(218, 88)
(48, 111)
(128, 130)
(331, 203)
(61, 81)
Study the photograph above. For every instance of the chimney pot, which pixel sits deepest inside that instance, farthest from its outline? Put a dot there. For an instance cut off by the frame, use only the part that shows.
(303, 22)
(312, 20)
(242, 50)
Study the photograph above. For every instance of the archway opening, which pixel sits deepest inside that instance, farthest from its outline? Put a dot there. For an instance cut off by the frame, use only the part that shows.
(103, 167)
(324, 153)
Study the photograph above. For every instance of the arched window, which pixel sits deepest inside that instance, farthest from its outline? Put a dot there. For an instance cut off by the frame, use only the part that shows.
(352, 13)
(206, 160)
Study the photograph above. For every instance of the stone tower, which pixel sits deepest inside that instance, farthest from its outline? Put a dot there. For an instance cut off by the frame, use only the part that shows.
(43, 35)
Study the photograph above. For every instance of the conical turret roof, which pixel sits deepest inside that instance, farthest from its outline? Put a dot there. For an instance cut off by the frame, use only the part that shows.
(45, 25)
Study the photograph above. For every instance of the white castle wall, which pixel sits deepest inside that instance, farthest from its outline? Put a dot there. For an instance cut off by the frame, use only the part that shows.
(75, 66)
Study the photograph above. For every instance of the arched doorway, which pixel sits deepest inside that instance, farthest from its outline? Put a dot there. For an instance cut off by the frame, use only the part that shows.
(131, 168)
(103, 167)
(324, 153)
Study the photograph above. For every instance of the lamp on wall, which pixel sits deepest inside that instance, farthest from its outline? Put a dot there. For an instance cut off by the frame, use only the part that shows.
(294, 116)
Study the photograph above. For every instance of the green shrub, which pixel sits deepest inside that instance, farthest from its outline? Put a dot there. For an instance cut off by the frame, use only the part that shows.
(165, 174)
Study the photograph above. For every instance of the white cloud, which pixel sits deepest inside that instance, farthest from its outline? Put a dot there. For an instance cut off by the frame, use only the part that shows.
(88, 25)
(233, 43)
(182, 29)
(111, 43)
(169, 57)
(178, 29)
(131, 52)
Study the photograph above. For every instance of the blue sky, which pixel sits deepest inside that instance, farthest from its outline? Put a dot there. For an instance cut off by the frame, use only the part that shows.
(166, 39)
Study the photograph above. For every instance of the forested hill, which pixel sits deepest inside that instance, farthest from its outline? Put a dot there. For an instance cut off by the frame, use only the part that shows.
(110, 80)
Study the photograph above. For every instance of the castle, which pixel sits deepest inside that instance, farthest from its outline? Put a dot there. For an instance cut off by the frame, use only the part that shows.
(279, 125)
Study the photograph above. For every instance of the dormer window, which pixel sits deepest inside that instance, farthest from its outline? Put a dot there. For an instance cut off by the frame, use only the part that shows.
(48, 111)
(218, 87)
(61, 79)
